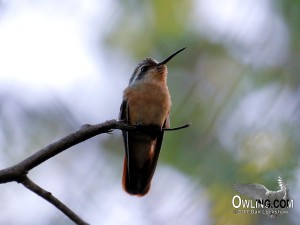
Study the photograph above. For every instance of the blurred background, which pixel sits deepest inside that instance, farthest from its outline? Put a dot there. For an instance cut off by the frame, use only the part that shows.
(65, 63)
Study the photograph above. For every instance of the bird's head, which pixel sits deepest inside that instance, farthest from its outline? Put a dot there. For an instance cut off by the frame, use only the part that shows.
(149, 70)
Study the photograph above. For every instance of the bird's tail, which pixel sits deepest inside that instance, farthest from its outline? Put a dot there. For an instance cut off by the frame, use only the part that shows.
(139, 166)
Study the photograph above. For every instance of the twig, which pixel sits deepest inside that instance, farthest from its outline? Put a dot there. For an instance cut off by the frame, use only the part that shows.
(150, 128)
(85, 132)
(178, 128)
(18, 172)
(29, 184)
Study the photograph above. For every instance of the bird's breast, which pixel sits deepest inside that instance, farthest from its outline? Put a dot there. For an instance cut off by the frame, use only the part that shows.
(148, 104)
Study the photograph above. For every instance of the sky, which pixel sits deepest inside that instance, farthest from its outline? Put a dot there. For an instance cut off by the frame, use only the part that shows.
(54, 45)
(52, 48)
(41, 43)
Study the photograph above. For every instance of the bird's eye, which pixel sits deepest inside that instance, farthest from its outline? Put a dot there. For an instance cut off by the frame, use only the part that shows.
(144, 69)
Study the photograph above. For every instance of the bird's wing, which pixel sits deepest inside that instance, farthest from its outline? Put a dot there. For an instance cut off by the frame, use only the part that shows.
(254, 191)
(282, 184)
(283, 187)
(124, 115)
(159, 140)
(142, 150)
(167, 123)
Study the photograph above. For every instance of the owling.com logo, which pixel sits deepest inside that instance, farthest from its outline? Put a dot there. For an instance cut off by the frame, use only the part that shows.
(270, 203)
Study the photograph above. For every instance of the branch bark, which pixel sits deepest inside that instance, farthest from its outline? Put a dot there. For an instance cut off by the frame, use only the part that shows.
(29, 184)
(18, 172)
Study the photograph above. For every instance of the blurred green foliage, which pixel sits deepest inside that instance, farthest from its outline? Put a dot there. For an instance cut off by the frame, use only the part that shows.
(208, 85)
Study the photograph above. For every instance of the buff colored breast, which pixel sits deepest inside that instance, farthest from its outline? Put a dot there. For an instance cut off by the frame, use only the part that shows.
(149, 103)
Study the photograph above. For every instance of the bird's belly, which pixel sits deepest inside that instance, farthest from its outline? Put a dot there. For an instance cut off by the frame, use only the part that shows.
(151, 113)
(148, 108)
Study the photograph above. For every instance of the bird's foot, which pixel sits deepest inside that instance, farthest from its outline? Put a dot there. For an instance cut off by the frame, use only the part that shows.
(151, 129)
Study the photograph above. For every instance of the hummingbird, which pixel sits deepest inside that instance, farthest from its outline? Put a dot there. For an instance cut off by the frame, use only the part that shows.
(146, 104)
(261, 194)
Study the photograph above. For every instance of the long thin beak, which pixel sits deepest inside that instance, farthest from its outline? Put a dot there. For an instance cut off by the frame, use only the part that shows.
(170, 57)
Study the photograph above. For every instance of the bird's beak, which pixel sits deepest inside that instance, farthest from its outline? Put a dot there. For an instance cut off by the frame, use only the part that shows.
(170, 57)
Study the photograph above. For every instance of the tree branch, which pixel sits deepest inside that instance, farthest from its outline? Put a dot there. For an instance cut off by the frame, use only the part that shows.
(85, 132)
(29, 184)
(18, 172)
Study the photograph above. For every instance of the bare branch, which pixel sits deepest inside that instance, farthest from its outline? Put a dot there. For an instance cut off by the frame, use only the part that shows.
(53, 200)
(18, 172)
(85, 132)
(178, 128)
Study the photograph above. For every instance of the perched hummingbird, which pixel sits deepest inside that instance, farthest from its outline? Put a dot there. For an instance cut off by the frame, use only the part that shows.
(146, 103)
